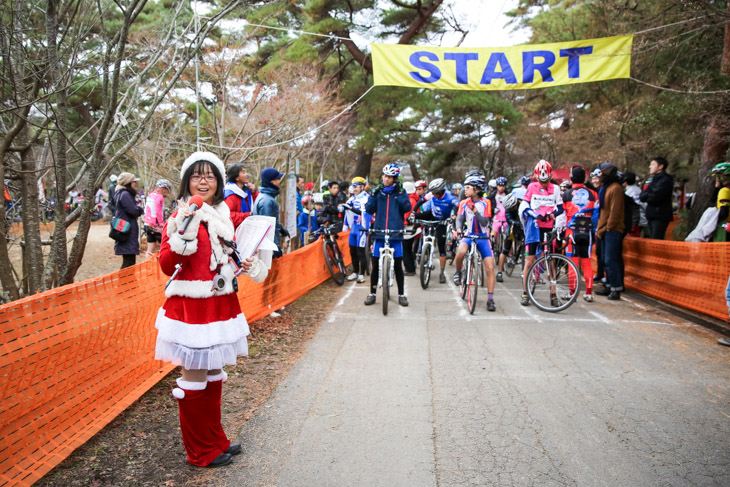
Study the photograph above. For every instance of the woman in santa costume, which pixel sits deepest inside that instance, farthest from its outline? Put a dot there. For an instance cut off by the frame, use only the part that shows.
(201, 326)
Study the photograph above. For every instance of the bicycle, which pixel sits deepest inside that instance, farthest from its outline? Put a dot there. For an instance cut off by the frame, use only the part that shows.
(386, 261)
(425, 261)
(548, 278)
(473, 275)
(517, 257)
(332, 254)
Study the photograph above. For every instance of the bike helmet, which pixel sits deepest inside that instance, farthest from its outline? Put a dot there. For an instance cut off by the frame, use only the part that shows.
(492, 183)
(720, 169)
(409, 187)
(325, 184)
(421, 184)
(438, 185)
(509, 201)
(306, 199)
(391, 170)
(525, 180)
(477, 182)
(564, 185)
(474, 172)
(359, 180)
(596, 172)
(164, 183)
(543, 171)
(456, 187)
(501, 181)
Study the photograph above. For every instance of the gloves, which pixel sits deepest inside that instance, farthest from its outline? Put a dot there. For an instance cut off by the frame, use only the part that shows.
(470, 204)
(411, 218)
(398, 186)
(378, 189)
(340, 208)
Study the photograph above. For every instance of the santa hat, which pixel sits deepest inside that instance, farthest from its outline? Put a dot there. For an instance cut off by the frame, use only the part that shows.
(208, 157)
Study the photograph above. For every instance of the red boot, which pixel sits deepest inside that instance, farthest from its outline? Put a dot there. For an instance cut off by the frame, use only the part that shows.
(214, 391)
(199, 431)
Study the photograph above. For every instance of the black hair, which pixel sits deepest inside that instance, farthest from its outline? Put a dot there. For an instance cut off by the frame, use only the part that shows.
(299, 176)
(630, 178)
(331, 183)
(233, 171)
(662, 162)
(198, 167)
(131, 190)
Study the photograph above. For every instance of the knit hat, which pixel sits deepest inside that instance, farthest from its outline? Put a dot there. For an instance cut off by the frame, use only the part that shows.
(577, 174)
(409, 187)
(125, 178)
(208, 157)
(607, 168)
(269, 174)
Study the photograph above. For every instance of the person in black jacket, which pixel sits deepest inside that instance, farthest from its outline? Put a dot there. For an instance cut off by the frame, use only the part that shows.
(657, 195)
(127, 208)
(332, 210)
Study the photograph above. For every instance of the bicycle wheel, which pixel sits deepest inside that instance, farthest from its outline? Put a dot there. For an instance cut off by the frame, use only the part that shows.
(548, 283)
(368, 256)
(472, 284)
(464, 275)
(340, 260)
(385, 279)
(426, 264)
(330, 257)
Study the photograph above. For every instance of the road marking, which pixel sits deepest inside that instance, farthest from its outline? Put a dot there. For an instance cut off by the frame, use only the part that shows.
(600, 317)
(347, 295)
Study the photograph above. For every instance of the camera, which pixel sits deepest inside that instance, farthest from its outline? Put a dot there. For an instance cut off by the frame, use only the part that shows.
(219, 282)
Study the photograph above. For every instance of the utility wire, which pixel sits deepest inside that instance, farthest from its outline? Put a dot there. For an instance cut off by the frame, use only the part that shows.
(679, 91)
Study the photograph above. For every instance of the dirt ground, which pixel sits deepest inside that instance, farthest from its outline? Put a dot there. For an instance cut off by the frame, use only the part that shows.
(143, 446)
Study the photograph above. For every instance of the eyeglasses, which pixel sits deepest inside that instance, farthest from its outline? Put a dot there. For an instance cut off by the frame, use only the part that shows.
(208, 177)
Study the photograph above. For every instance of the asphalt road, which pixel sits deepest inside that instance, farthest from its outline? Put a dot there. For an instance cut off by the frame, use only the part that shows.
(604, 393)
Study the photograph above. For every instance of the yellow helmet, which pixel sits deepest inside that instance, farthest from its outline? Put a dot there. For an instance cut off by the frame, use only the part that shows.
(359, 180)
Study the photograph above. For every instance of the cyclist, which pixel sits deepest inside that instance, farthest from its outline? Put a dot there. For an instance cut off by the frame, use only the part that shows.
(476, 212)
(470, 173)
(581, 212)
(357, 220)
(500, 215)
(456, 189)
(439, 206)
(511, 205)
(538, 210)
(388, 202)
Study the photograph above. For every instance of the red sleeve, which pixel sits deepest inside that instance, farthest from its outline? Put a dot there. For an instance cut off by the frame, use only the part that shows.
(234, 204)
(168, 258)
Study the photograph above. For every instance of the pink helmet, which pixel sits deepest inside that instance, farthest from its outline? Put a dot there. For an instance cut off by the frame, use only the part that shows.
(543, 170)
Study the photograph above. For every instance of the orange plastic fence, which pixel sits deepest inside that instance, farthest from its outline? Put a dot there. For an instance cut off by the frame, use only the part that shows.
(73, 358)
(692, 275)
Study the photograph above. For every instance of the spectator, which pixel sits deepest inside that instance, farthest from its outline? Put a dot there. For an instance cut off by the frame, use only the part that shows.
(201, 327)
(266, 203)
(722, 184)
(154, 214)
(611, 229)
(307, 219)
(657, 195)
(112, 188)
(300, 193)
(595, 185)
(127, 209)
(239, 193)
(632, 190)
(331, 213)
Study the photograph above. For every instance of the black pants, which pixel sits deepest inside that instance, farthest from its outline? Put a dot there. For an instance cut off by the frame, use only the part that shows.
(600, 274)
(128, 260)
(409, 261)
(399, 277)
(657, 229)
(359, 259)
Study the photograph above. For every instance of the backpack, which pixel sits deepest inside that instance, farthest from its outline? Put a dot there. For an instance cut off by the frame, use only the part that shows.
(582, 228)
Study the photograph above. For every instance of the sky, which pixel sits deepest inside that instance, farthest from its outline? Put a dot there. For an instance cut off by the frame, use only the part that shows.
(489, 28)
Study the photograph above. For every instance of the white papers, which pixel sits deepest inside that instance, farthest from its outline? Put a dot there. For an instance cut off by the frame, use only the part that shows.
(257, 233)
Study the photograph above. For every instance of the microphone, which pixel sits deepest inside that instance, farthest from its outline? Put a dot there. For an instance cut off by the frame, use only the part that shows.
(195, 203)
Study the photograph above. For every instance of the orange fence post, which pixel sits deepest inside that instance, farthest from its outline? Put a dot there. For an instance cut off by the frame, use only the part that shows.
(73, 358)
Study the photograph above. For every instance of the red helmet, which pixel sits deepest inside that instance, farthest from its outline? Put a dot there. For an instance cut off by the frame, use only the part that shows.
(420, 183)
(543, 170)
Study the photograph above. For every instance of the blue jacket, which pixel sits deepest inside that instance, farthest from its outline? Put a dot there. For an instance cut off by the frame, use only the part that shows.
(307, 223)
(389, 210)
(266, 205)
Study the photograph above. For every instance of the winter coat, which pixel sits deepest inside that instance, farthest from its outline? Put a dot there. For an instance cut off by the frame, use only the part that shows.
(611, 216)
(126, 208)
(658, 197)
(154, 211)
(389, 209)
(331, 210)
(239, 201)
(267, 205)
(201, 326)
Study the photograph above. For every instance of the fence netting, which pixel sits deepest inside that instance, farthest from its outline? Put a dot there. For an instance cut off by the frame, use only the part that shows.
(73, 358)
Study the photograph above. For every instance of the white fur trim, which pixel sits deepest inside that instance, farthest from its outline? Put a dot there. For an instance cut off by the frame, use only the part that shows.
(222, 376)
(178, 393)
(201, 336)
(188, 385)
(258, 271)
(191, 232)
(204, 156)
(181, 246)
(202, 289)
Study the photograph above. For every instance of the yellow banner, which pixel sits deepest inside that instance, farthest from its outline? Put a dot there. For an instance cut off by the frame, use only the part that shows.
(508, 68)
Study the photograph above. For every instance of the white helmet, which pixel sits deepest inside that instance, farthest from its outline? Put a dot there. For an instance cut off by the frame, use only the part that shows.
(509, 201)
(437, 185)
(113, 178)
(409, 187)
(492, 183)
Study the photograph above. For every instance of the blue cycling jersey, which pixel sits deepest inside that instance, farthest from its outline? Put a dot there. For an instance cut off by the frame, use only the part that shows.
(441, 207)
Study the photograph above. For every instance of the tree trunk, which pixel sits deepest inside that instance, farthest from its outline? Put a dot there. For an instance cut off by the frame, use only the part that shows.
(33, 251)
(363, 163)
(714, 148)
